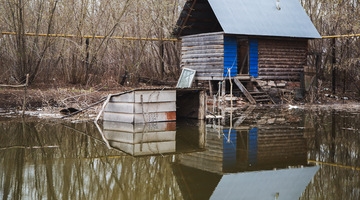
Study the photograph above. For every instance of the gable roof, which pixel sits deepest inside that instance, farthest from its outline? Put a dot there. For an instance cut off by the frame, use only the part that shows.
(246, 17)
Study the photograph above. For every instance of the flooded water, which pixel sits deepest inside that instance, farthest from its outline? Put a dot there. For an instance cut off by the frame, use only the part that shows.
(255, 153)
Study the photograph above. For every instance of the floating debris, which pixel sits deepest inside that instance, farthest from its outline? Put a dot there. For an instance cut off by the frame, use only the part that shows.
(67, 111)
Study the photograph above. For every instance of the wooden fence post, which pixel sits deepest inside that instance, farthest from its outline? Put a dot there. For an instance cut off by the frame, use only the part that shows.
(25, 91)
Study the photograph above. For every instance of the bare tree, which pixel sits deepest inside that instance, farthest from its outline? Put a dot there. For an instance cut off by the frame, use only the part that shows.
(71, 51)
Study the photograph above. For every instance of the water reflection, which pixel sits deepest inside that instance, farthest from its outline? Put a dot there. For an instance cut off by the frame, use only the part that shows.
(233, 156)
(155, 138)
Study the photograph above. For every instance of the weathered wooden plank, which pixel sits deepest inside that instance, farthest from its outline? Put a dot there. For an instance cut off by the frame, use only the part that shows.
(281, 59)
(202, 105)
(213, 77)
(283, 52)
(210, 74)
(215, 35)
(265, 77)
(205, 64)
(202, 60)
(203, 43)
(139, 128)
(244, 91)
(201, 47)
(202, 51)
(284, 74)
(204, 68)
(199, 41)
(287, 69)
(204, 55)
(134, 138)
(140, 118)
(121, 107)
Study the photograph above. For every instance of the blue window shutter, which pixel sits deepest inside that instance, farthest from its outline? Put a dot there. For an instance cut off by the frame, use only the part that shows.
(254, 58)
(230, 56)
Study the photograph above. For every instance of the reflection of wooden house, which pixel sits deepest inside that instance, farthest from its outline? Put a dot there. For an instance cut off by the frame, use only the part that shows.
(244, 40)
(249, 149)
(209, 160)
(273, 147)
(266, 184)
(273, 184)
(262, 155)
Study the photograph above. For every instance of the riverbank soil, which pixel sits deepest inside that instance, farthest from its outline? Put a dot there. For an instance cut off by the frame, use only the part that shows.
(54, 99)
(39, 97)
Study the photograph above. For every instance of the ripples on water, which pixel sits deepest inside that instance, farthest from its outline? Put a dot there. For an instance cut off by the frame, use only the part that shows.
(264, 153)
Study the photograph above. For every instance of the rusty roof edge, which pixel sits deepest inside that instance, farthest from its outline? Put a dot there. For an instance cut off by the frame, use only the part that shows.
(157, 88)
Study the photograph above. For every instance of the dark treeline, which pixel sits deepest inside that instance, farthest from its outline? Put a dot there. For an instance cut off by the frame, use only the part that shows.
(89, 61)
(336, 59)
(92, 61)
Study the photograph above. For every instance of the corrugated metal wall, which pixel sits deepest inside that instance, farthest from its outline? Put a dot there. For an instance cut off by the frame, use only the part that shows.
(230, 56)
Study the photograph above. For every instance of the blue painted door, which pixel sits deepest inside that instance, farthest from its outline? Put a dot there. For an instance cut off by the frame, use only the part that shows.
(230, 56)
(253, 58)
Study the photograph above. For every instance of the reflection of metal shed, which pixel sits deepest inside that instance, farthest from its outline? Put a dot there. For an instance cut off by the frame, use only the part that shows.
(154, 138)
(244, 39)
(141, 139)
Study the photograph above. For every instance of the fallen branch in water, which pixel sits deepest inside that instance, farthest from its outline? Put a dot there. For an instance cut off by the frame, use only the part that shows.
(91, 105)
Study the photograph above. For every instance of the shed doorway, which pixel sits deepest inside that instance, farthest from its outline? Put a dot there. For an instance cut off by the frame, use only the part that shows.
(243, 56)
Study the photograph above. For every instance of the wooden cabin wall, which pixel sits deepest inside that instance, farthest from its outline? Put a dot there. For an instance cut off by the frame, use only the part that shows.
(282, 59)
(205, 54)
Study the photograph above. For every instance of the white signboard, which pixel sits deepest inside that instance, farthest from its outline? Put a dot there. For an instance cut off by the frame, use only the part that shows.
(186, 78)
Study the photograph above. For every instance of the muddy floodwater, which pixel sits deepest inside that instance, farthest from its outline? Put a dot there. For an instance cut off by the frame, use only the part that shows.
(250, 153)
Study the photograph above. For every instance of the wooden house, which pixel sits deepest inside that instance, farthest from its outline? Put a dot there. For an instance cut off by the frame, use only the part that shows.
(245, 41)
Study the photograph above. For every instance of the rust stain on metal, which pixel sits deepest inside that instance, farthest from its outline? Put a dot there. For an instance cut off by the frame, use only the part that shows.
(171, 115)
(170, 126)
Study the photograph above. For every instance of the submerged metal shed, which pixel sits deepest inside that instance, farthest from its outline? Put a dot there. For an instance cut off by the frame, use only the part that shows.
(155, 105)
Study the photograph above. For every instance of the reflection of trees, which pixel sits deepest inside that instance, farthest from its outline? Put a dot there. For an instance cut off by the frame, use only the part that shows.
(49, 160)
(336, 144)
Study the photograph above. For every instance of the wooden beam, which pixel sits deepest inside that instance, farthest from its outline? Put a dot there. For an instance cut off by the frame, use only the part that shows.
(244, 91)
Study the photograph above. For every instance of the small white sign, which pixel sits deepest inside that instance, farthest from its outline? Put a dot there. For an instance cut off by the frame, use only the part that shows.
(186, 78)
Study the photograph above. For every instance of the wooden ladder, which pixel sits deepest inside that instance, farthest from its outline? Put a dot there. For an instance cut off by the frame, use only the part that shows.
(256, 96)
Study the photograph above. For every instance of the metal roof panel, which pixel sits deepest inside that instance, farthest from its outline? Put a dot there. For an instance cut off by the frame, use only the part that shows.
(262, 18)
